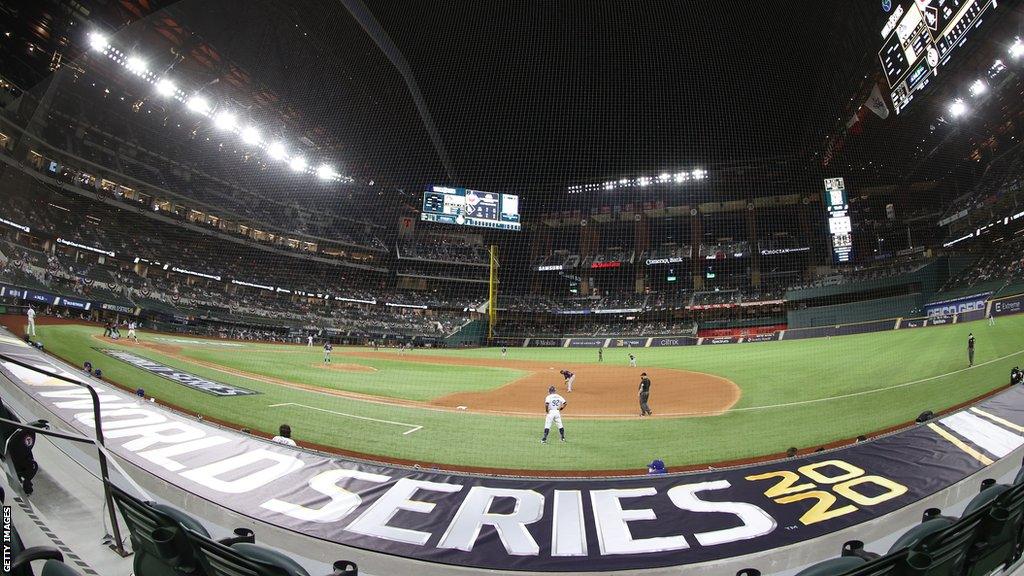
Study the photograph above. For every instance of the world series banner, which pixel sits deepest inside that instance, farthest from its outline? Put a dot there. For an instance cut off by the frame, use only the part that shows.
(535, 524)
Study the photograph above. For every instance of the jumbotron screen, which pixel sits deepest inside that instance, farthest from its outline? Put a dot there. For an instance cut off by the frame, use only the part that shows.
(920, 37)
(471, 208)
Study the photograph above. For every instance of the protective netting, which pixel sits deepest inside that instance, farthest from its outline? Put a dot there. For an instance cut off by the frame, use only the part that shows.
(639, 178)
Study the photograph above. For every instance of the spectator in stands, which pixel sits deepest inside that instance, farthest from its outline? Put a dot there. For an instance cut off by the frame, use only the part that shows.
(284, 435)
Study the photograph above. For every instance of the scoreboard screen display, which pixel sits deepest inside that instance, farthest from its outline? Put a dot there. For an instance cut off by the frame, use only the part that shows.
(922, 35)
(467, 207)
(840, 227)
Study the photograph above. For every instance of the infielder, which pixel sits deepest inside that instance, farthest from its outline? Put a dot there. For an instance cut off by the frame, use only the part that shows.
(569, 379)
(31, 313)
(632, 361)
(553, 405)
(309, 340)
(328, 348)
(504, 352)
(970, 349)
(645, 393)
(131, 332)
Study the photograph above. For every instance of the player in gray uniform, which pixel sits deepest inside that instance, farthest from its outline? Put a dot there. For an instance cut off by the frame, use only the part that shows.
(645, 393)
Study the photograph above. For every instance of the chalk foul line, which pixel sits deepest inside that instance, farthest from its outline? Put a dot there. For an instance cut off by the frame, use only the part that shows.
(410, 427)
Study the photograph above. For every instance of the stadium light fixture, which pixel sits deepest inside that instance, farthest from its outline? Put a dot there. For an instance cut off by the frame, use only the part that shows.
(957, 108)
(98, 42)
(198, 104)
(297, 164)
(250, 135)
(224, 120)
(664, 177)
(135, 65)
(325, 172)
(1017, 49)
(681, 177)
(978, 87)
(643, 181)
(165, 87)
(277, 151)
(699, 174)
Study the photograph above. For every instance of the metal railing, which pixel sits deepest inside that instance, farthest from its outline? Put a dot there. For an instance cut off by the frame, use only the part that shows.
(98, 441)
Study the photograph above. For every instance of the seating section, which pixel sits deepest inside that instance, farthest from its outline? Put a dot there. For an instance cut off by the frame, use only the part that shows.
(987, 537)
(169, 542)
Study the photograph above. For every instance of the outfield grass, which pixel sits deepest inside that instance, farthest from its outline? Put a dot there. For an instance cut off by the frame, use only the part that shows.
(801, 393)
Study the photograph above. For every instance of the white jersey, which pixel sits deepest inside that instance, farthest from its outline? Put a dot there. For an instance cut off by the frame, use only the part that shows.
(131, 326)
(31, 315)
(554, 402)
(283, 440)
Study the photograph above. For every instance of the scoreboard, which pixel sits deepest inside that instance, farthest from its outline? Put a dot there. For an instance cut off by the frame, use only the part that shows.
(840, 227)
(467, 207)
(922, 35)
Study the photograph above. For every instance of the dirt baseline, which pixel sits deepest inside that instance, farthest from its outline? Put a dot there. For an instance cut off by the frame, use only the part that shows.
(600, 390)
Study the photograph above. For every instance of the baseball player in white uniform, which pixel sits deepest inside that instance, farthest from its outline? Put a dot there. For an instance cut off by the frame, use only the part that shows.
(31, 313)
(553, 405)
(632, 361)
(309, 340)
(131, 331)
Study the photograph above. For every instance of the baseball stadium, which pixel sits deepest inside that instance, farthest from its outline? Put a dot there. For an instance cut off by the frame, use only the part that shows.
(291, 288)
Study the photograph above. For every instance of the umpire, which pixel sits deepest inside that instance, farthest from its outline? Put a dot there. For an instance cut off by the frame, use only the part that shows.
(645, 393)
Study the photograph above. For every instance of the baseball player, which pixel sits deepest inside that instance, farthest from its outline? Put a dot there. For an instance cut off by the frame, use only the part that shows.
(645, 393)
(970, 349)
(309, 340)
(31, 314)
(569, 379)
(553, 405)
(600, 354)
(504, 352)
(632, 361)
(328, 348)
(131, 332)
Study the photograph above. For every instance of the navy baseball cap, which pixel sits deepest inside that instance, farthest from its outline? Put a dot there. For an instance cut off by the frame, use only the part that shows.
(551, 388)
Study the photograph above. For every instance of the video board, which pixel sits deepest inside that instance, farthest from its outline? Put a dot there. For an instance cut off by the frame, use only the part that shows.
(922, 35)
(840, 227)
(467, 207)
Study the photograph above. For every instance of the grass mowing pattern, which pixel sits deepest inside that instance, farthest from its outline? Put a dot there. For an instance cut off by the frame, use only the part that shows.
(772, 375)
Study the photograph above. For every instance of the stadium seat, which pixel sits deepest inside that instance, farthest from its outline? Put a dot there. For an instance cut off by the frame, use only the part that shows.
(247, 558)
(58, 568)
(158, 536)
(17, 446)
(999, 538)
(940, 546)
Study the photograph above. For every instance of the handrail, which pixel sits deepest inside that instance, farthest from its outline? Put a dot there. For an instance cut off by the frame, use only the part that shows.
(104, 472)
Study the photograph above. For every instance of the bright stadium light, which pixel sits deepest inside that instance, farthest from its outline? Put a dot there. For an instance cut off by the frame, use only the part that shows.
(198, 104)
(98, 42)
(224, 120)
(957, 108)
(644, 181)
(135, 65)
(325, 172)
(1017, 49)
(699, 174)
(250, 135)
(297, 164)
(978, 87)
(681, 177)
(165, 87)
(277, 151)
(664, 177)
